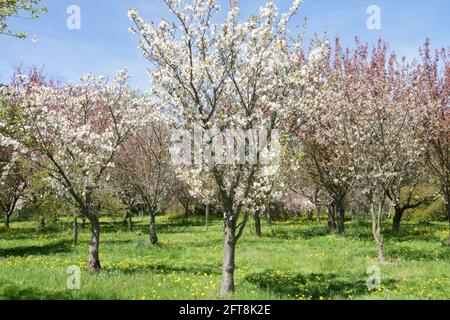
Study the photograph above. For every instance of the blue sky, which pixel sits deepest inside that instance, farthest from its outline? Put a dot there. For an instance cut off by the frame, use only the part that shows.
(103, 45)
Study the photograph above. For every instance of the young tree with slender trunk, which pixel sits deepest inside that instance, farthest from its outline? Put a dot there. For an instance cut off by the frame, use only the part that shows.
(324, 136)
(433, 83)
(143, 165)
(237, 75)
(73, 133)
(386, 117)
(12, 182)
(185, 198)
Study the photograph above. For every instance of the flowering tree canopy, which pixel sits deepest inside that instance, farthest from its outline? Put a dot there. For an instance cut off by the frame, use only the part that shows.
(433, 90)
(143, 166)
(235, 75)
(73, 132)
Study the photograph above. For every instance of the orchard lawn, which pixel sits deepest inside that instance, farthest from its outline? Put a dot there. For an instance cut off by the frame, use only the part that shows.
(293, 260)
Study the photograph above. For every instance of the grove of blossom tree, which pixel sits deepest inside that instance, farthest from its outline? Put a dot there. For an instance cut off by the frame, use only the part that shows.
(43, 200)
(12, 175)
(306, 190)
(265, 189)
(184, 197)
(398, 122)
(271, 188)
(73, 133)
(362, 131)
(12, 182)
(433, 87)
(144, 167)
(131, 201)
(390, 152)
(306, 196)
(236, 75)
(385, 116)
(323, 137)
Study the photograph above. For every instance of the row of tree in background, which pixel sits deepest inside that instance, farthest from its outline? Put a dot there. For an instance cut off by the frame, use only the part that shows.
(361, 130)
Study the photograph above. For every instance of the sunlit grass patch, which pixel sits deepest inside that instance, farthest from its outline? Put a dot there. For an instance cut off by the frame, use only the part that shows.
(297, 260)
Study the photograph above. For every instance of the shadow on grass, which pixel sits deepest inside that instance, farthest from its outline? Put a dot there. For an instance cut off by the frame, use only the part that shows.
(312, 286)
(410, 254)
(359, 229)
(209, 243)
(116, 241)
(169, 228)
(173, 226)
(288, 233)
(13, 291)
(423, 231)
(28, 232)
(51, 248)
(17, 234)
(166, 269)
(109, 226)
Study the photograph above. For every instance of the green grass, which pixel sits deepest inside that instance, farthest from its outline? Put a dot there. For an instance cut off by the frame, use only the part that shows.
(293, 260)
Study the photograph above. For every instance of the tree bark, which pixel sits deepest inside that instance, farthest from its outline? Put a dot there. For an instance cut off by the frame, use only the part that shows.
(376, 230)
(207, 216)
(229, 250)
(75, 230)
(125, 219)
(186, 215)
(397, 218)
(318, 214)
(130, 222)
(258, 223)
(7, 219)
(269, 216)
(94, 266)
(447, 207)
(153, 237)
(331, 221)
(41, 223)
(340, 209)
(83, 222)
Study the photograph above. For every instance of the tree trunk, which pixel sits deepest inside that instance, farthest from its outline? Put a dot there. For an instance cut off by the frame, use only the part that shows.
(376, 230)
(75, 230)
(130, 222)
(269, 216)
(207, 216)
(397, 218)
(7, 219)
(186, 215)
(229, 250)
(318, 214)
(94, 266)
(41, 223)
(83, 222)
(125, 219)
(257, 223)
(331, 221)
(447, 206)
(153, 237)
(341, 217)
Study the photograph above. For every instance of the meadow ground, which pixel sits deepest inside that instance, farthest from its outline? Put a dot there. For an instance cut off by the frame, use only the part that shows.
(293, 260)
